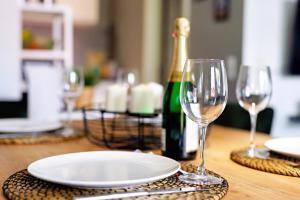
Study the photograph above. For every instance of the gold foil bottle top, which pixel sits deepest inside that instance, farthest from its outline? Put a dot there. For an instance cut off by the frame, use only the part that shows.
(182, 27)
(180, 48)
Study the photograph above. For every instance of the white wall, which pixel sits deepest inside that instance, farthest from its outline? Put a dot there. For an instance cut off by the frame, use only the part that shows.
(10, 44)
(267, 31)
(213, 39)
(266, 26)
(285, 101)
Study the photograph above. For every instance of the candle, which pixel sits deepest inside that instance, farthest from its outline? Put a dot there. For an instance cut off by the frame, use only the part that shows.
(157, 90)
(142, 99)
(116, 98)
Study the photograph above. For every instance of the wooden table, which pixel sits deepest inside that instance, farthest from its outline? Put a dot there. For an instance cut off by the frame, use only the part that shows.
(244, 183)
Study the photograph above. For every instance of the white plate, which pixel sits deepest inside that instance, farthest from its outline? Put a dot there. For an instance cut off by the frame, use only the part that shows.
(98, 169)
(27, 125)
(287, 146)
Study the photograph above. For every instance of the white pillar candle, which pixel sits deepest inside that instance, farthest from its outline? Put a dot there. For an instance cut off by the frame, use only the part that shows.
(157, 90)
(116, 98)
(142, 99)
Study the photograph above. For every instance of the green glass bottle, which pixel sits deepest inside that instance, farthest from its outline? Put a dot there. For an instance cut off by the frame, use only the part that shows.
(179, 135)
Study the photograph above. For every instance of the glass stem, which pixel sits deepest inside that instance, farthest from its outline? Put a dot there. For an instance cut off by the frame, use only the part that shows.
(202, 133)
(253, 118)
(70, 106)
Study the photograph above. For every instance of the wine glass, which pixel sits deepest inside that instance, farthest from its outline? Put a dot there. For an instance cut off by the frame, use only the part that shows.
(203, 96)
(73, 82)
(253, 91)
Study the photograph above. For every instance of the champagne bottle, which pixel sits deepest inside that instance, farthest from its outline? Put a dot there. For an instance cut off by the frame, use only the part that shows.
(179, 135)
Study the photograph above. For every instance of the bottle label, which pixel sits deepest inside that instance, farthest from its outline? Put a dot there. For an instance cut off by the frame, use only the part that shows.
(163, 139)
(191, 136)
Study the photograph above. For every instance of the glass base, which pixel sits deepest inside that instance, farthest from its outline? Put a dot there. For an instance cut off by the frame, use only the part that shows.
(68, 131)
(200, 179)
(256, 153)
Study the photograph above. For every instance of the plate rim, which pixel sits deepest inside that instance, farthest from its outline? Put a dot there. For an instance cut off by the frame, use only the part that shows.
(280, 151)
(101, 184)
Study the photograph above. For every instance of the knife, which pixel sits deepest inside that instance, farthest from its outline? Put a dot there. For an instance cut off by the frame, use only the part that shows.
(140, 193)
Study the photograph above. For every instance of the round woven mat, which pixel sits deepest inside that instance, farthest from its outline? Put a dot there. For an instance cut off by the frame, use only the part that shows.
(274, 163)
(57, 136)
(21, 185)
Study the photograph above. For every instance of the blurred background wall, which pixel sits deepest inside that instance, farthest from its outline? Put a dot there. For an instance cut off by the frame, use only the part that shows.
(113, 37)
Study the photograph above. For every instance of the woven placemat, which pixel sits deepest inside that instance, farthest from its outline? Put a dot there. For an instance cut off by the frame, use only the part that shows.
(57, 136)
(274, 163)
(21, 185)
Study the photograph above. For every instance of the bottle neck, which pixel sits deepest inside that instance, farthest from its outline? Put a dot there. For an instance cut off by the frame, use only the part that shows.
(180, 54)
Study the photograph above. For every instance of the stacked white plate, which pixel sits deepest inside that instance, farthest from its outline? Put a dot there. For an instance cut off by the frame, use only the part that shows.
(103, 169)
(286, 146)
(27, 125)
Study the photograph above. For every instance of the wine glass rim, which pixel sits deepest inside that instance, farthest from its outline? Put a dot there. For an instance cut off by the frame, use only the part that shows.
(206, 59)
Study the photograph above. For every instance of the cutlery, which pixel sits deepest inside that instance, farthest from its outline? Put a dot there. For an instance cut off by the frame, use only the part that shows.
(140, 193)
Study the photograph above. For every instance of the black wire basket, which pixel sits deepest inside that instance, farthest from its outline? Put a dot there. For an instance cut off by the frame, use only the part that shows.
(123, 130)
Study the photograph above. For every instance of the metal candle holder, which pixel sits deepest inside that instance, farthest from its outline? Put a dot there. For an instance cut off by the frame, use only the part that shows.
(122, 130)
